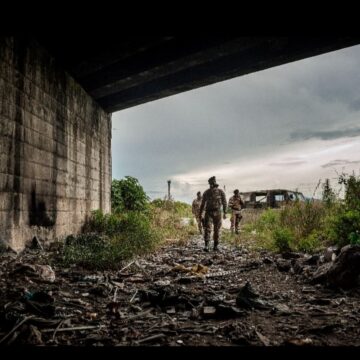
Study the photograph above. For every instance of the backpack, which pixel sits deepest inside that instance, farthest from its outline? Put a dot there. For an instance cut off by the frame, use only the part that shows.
(214, 199)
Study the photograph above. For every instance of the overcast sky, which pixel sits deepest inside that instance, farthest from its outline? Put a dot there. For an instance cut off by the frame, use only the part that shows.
(285, 127)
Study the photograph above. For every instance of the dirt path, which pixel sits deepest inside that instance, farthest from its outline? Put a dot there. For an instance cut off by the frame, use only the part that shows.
(179, 296)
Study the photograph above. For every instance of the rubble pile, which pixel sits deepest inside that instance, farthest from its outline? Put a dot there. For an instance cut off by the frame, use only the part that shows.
(182, 296)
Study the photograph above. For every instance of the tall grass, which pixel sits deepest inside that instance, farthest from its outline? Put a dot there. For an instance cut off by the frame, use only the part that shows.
(299, 227)
(312, 225)
(109, 239)
(167, 216)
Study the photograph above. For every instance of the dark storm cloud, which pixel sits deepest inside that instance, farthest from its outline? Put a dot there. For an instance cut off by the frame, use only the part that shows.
(324, 135)
(288, 163)
(355, 105)
(340, 162)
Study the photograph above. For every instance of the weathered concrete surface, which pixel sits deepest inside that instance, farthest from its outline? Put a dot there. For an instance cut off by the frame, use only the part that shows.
(55, 147)
(123, 71)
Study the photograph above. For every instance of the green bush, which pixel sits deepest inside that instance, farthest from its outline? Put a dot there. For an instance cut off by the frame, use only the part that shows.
(268, 221)
(87, 250)
(134, 227)
(354, 238)
(283, 238)
(303, 218)
(114, 238)
(311, 243)
(128, 194)
(344, 227)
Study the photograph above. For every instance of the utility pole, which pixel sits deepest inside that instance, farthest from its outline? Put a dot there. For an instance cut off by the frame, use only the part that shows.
(169, 195)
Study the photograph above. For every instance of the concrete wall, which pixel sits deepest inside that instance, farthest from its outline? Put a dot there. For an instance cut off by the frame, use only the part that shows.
(55, 147)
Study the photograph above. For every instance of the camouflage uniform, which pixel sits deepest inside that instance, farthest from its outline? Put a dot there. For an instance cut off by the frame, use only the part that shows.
(196, 211)
(235, 204)
(213, 199)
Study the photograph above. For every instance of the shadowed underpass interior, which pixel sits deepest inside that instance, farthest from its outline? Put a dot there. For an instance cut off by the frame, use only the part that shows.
(123, 72)
(139, 274)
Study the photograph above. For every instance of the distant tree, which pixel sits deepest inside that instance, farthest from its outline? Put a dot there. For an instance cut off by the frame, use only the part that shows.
(352, 190)
(328, 194)
(128, 194)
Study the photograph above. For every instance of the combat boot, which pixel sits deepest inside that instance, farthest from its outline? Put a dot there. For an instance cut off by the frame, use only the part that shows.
(206, 248)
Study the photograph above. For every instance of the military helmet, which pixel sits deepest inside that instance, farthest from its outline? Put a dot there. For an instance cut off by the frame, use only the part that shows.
(236, 191)
(212, 180)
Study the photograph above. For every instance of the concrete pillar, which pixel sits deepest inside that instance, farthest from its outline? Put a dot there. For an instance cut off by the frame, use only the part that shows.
(55, 147)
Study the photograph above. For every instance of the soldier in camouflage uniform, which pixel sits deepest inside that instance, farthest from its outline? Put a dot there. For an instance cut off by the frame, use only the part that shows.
(235, 204)
(212, 201)
(196, 211)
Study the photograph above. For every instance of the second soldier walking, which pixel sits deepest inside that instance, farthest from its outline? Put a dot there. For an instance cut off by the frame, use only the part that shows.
(235, 204)
(196, 211)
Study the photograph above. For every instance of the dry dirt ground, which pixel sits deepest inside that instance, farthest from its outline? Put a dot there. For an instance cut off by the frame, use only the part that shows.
(178, 296)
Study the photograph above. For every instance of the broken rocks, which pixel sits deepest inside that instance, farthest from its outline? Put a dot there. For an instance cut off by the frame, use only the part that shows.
(41, 272)
(34, 337)
(290, 255)
(36, 244)
(248, 299)
(146, 303)
(283, 265)
(343, 272)
(331, 253)
(312, 260)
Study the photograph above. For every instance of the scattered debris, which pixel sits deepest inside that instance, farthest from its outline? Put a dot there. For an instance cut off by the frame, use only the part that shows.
(37, 272)
(15, 328)
(151, 338)
(75, 328)
(299, 342)
(265, 341)
(36, 244)
(281, 309)
(247, 298)
(343, 272)
(180, 295)
(267, 260)
(209, 311)
(331, 253)
(34, 337)
(197, 269)
(283, 265)
(312, 260)
(290, 255)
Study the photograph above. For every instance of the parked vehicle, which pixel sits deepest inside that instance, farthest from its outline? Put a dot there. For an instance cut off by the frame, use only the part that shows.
(263, 199)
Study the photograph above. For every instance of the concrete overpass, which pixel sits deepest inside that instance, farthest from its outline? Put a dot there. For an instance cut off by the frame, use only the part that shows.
(119, 73)
(56, 98)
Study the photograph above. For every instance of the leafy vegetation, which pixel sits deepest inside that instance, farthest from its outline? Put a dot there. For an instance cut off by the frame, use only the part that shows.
(168, 218)
(344, 224)
(128, 194)
(135, 227)
(309, 226)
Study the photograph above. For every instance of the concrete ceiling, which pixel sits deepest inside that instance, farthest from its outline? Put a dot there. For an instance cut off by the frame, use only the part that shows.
(121, 72)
